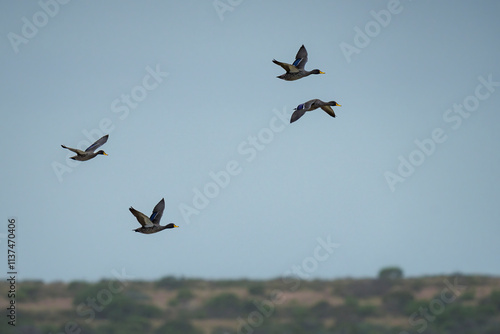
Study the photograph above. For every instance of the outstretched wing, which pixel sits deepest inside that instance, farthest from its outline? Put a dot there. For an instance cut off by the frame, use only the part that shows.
(287, 67)
(301, 58)
(298, 113)
(97, 144)
(158, 212)
(141, 218)
(77, 151)
(328, 110)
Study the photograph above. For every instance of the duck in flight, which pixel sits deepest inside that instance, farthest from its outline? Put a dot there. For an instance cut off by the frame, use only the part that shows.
(151, 224)
(89, 152)
(296, 70)
(312, 105)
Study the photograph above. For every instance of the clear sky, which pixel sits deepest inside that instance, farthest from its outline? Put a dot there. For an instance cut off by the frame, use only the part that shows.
(406, 175)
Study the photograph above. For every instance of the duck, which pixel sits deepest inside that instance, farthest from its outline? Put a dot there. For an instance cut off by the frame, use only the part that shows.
(312, 105)
(89, 152)
(296, 70)
(151, 224)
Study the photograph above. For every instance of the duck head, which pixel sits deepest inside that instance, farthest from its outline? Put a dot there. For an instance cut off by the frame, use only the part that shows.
(316, 71)
(334, 104)
(171, 225)
(102, 152)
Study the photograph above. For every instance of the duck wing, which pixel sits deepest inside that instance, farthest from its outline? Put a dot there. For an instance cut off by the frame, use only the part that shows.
(141, 218)
(301, 58)
(312, 104)
(298, 113)
(287, 67)
(77, 151)
(101, 141)
(157, 212)
(328, 110)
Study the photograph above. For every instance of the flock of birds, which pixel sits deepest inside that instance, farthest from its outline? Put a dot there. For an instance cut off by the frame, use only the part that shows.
(294, 71)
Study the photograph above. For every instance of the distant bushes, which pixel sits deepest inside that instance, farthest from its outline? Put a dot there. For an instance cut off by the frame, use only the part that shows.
(225, 305)
(349, 306)
(30, 291)
(101, 302)
(322, 310)
(256, 289)
(179, 326)
(397, 301)
(128, 325)
(493, 300)
(362, 288)
(390, 273)
(123, 307)
(35, 290)
(184, 295)
(76, 286)
(170, 283)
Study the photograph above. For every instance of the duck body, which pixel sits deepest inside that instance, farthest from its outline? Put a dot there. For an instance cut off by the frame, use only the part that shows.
(82, 155)
(313, 105)
(292, 76)
(89, 152)
(296, 70)
(153, 229)
(151, 224)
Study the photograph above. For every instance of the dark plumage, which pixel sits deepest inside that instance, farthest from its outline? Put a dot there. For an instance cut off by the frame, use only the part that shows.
(151, 224)
(296, 70)
(312, 105)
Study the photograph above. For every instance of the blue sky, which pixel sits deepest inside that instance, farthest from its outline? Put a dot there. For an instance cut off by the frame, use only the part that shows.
(405, 175)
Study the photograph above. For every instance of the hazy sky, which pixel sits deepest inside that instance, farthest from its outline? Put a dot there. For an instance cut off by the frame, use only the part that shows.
(406, 175)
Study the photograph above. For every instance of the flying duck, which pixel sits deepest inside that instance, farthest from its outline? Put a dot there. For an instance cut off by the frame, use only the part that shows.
(89, 152)
(312, 105)
(296, 70)
(152, 224)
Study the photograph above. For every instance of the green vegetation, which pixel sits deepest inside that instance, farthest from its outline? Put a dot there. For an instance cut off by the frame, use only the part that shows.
(178, 326)
(226, 305)
(184, 295)
(390, 273)
(389, 304)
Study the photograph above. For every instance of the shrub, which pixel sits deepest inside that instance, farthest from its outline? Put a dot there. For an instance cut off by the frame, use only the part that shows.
(224, 305)
(122, 306)
(112, 306)
(390, 273)
(178, 326)
(468, 295)
(397, 301)
(170, 283)
(75, 286)
(494, 299)
(322, 309)
(362, 288)
(130, 325)
(30, 291)
(184, 295)
(257, 289)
